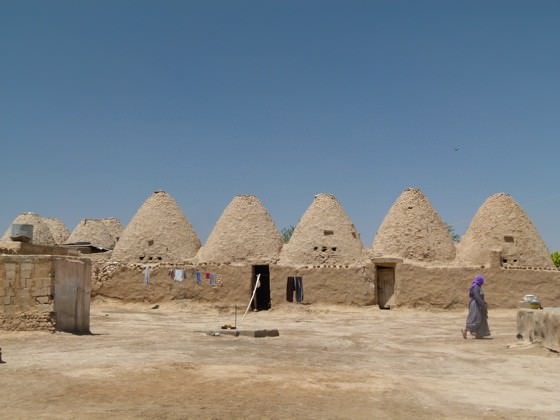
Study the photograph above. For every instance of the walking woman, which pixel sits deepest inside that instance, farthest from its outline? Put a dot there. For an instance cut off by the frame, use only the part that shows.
(477, 320)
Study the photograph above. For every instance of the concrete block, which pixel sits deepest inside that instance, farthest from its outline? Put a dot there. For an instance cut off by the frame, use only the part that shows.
(26, 270)
(41, 291)
(247, 333)
(261, 333)
(11, 274)
(44, 300)
(45, 282)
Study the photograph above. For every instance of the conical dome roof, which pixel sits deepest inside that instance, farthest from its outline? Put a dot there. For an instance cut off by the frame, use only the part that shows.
(114, 227)
(244, 232)
(158, 232)
(413, 229)
(501, 224)
(58, 229)
(41, 233)
(92, 231)
(325, 235)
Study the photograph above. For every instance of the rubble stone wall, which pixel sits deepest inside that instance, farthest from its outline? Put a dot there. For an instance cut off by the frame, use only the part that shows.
(33, 286)
(26, 292)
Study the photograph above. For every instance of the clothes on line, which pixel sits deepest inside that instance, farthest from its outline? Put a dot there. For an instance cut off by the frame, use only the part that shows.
(179, 274)
(147, 275)
(294, 286)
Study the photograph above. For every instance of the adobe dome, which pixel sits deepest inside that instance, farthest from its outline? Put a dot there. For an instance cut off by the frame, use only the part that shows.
(41, 232)
(158, 232)
(325, 235)
(244, 232)
(58, 229)
(93, 231)
(414, 230)
(501, 224)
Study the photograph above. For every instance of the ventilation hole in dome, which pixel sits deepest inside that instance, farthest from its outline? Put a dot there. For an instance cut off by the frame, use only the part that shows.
(508, 238)
(150, 242)
(141, 258)
(334, 248)
(410, 207)
(324, 249)
(328, 232)
(315, 248)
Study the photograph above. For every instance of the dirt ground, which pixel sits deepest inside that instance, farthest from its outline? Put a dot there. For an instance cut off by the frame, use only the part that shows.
(328, 362)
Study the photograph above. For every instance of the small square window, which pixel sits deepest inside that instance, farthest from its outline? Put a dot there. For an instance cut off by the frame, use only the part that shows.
(328, 232)
(508, 238)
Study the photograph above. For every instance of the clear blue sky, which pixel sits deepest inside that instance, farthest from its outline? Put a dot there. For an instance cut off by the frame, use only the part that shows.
(102, 102)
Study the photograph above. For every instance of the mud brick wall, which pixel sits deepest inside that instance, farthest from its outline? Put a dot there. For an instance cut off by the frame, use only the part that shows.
(447, 287)
(26, 292)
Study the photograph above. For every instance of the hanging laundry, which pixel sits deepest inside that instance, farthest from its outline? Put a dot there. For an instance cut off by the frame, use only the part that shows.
(299, 289)
(290, 289)
(212, 280)
(219, 280)
(178, 274)
(198, 278)
(147, 275)
(207, 276)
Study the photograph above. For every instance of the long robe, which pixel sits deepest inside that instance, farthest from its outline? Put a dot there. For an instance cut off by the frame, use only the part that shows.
(477, 320)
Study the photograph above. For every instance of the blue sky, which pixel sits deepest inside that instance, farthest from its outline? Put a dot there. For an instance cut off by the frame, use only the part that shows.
(103, 102)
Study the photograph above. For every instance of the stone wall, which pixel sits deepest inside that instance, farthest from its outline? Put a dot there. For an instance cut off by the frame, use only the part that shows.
(353, 285)
(27, 292)
(327, 285)
(417, 285)
(31, 289)
(447, 287)
(127, 282)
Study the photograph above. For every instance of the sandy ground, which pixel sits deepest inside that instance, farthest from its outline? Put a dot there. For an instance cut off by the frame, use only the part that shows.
(328, 362)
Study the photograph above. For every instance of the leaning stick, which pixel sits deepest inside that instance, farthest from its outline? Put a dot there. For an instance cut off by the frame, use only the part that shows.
(252, 297)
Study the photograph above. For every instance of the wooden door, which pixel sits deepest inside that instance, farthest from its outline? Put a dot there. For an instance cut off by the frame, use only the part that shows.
(385, 286)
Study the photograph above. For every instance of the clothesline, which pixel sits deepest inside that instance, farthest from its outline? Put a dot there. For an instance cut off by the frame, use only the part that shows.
(180, 275)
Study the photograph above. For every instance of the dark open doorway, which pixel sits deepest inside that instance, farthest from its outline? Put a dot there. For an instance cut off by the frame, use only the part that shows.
(385, 286)
(262, 296)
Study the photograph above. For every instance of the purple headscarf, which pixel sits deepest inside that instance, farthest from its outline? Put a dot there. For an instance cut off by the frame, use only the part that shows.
(478, 281)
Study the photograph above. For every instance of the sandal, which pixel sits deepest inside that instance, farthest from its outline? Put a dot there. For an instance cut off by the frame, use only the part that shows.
(464, 332)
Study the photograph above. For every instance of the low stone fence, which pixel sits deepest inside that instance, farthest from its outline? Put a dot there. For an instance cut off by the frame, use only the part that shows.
(535, 325)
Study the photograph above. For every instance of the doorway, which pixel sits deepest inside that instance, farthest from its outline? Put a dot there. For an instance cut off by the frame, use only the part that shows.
(262, 295)
(385, 286)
